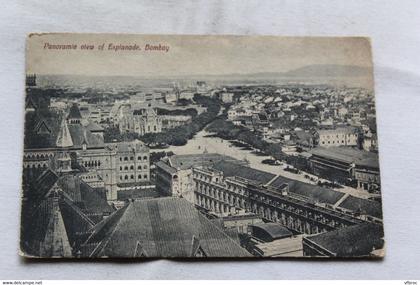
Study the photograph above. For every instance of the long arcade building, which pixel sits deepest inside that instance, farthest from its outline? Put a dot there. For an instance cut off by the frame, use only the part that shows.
(229, 195)
(227, 188)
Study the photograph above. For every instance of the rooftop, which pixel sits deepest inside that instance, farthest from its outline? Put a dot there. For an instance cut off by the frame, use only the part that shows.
(189, 160)
(74, 112)
(347, 130)
(348, 155)
(357, 240)
(274, 230)
(168, 227)
(230, 169)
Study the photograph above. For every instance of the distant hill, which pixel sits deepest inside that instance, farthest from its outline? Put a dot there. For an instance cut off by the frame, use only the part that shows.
(329, 70)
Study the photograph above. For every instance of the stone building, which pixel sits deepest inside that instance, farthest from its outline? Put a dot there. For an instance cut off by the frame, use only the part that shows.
(48, 141)
(132, 162)
(140, 121)
(174, 174)
(227, 189)
(345, 136)
(342, 164)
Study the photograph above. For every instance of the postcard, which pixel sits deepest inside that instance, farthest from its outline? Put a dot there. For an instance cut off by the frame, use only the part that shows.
(181, 146)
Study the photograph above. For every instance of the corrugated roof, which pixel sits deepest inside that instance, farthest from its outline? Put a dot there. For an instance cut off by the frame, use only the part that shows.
(348, 155)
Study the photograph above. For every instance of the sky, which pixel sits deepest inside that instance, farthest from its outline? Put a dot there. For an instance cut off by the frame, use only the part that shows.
(189, 55)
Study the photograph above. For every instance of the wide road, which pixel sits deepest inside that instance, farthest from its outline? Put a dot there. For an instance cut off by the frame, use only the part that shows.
(200, 143)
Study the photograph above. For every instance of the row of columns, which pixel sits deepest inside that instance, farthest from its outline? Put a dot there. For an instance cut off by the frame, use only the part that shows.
(214, 205)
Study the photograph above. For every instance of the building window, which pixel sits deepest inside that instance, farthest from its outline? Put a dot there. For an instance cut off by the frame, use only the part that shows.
(120, 167)
(139, 167)
(126, 177)
(132, 177)
(144, 157)
(139, 176)
(139, 158)
(121, 178)
(125, 158)
(120, 158)
(131, 158)
(145, 176)
(145, 167)
(125, 167)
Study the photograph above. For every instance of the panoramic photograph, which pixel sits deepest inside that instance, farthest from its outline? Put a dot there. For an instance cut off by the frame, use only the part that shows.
(147, 146)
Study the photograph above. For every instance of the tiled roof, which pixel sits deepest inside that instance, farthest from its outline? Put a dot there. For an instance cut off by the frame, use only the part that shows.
(165, 167)
(80, 134)
(163, 227)
(34, 139)
(43, 184)
(365, 207)
(357, 240)
(56, 224)
(94, 127)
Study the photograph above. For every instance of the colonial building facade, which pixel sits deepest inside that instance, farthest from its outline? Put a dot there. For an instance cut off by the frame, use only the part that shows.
(52, 137)
(346, 136)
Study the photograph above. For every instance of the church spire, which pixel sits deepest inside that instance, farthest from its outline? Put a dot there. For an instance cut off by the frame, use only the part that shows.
(64, 138)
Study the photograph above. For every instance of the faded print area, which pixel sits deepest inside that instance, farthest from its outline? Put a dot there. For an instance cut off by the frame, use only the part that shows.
(200, 146)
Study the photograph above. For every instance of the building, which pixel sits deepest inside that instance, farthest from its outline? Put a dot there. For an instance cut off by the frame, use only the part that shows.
(170, 122)
(83, 142)
(226, 97)
(174, 173)
(345, 136)
(227, 188)
(169, 227)
(92, 179)
(241, 221)
(268, 232)
(58, 211)
(142, 121)
(344, 165)
(132, 162)
(285, 247)
(363, 240)
(274, 240)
